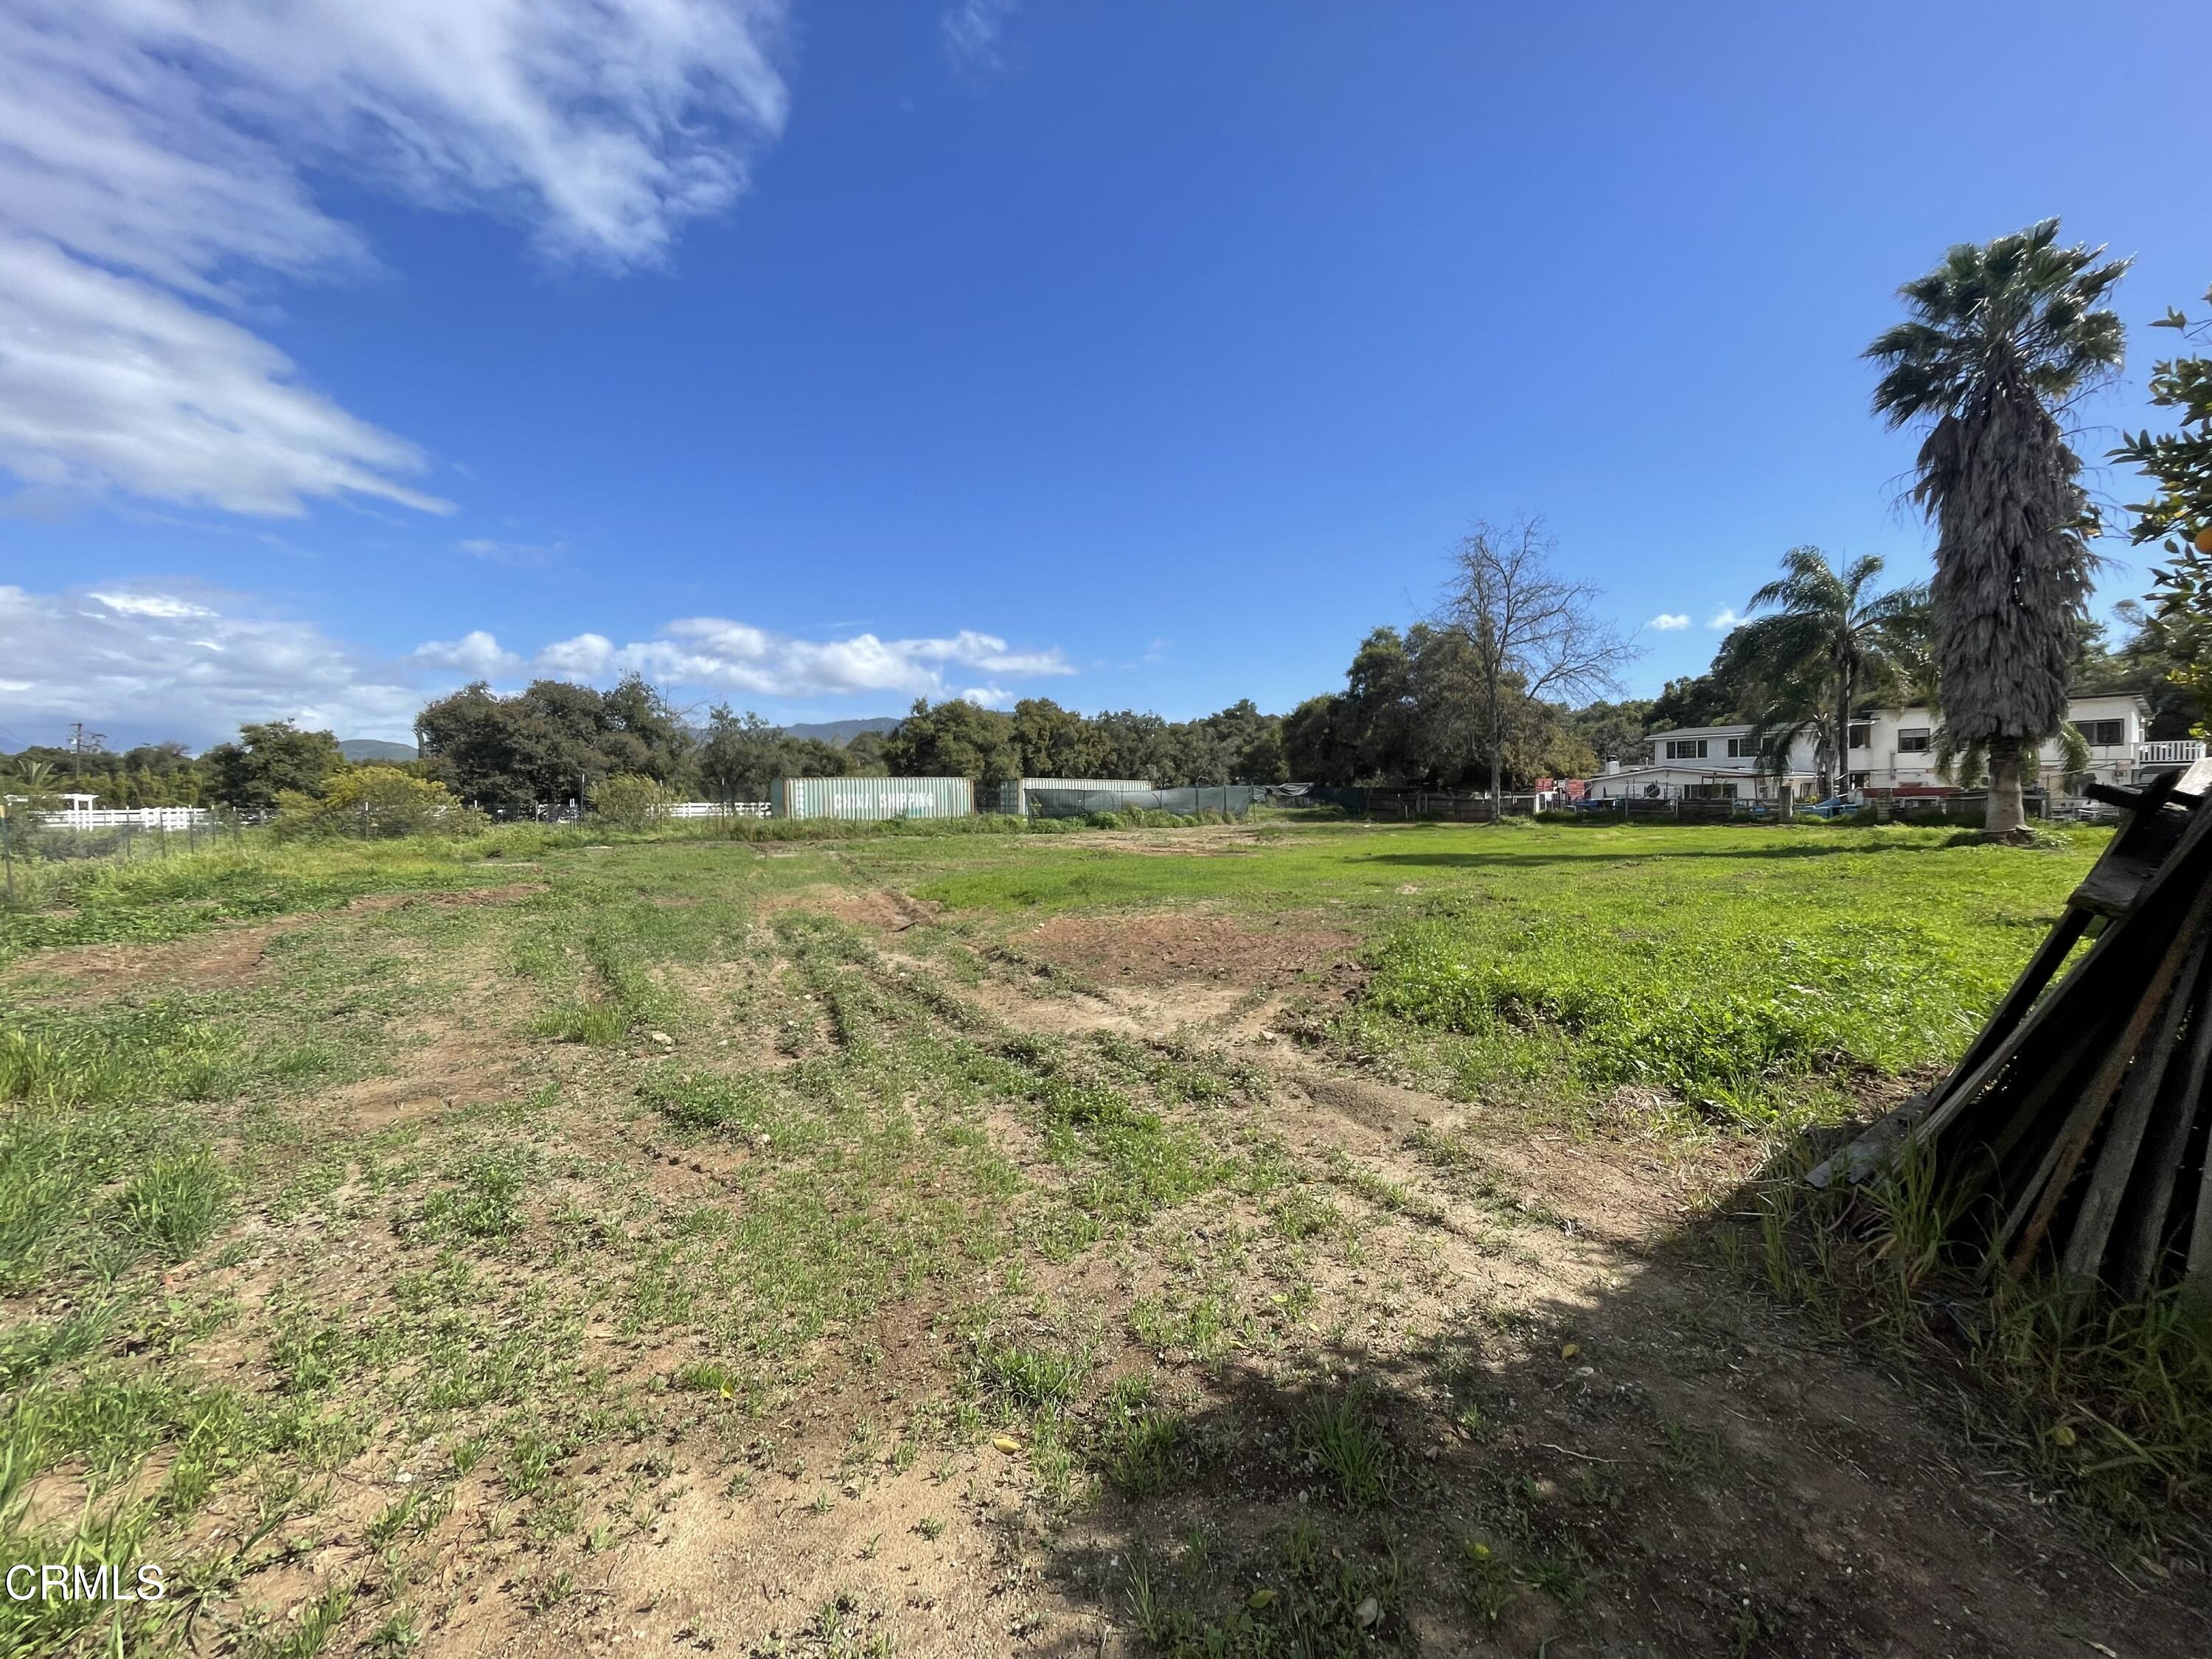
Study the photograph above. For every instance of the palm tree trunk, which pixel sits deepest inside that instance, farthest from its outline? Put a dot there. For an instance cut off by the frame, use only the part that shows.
(1843, 732)
(2007, 814)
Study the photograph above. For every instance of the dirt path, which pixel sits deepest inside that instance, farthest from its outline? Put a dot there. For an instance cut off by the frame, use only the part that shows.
(1724, 1467)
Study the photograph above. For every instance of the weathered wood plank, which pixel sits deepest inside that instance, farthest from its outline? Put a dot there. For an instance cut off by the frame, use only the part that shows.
(2067, 1151)
(2161, 1159)
(2083, 1260)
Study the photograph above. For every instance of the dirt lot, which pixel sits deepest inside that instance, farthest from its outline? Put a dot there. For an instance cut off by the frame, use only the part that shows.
(713, 1252)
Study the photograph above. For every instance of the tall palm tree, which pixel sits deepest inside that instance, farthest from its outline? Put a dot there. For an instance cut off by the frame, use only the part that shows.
(1830, 638)
(2000, 337)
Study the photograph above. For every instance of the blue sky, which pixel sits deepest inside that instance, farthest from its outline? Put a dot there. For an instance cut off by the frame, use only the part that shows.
(816, 357)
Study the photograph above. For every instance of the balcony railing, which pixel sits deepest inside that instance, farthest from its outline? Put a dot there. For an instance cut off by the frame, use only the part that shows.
(2182, 752)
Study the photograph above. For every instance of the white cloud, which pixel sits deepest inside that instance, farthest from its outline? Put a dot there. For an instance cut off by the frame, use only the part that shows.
(584, 658)
(713, 653)
(973, 31)
(1723, 619)
(476, 654)
(154, 163)
(175, 659)
(1666, 622)
(150, 604)
(185, 662)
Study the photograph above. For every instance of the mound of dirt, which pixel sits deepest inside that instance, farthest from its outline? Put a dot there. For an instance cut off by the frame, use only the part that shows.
(1162, 949)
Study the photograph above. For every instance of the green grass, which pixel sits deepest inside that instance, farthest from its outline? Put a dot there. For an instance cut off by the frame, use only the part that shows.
(1734, 967)
(1344, 1442)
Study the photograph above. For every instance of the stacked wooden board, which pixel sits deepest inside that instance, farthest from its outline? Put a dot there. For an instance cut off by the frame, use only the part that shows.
(2072, 1135)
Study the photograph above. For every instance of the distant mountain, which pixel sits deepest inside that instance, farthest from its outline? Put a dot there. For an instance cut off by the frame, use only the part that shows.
(358, 750)
(843, 731)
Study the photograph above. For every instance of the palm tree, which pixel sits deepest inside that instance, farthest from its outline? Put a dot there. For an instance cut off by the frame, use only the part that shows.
(1830, 638)
(1999, 336)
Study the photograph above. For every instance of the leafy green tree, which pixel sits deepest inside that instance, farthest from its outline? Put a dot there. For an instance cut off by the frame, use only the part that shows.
(1135, 745)
(741, 754)
(1614, 731)
(549, 742)
(1999, 337)
(640, 732)
(1052, 742)
(1380, 712)
(2178, 515)
(1225, 747)
(268, 759)
(1716, 697)
(1830, 638)
(1312, 749)
(955, 738)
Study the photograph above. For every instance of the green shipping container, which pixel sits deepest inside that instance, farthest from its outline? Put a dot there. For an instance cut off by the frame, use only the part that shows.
(871, 800)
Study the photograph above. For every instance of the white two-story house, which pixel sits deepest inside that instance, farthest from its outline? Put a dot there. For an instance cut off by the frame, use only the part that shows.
(1893, 749)
(1893, 753)
(1705, 763)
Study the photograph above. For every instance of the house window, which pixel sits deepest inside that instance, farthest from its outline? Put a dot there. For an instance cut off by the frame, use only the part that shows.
(1686, 749)
(2102, 734)
(1743, 749)
(1915, 740)
(1862, 734)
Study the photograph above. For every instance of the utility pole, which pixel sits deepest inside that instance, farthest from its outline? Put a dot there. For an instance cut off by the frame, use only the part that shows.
(80, 741)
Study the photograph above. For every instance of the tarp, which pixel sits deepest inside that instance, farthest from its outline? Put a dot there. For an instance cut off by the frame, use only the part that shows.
(1234, 799)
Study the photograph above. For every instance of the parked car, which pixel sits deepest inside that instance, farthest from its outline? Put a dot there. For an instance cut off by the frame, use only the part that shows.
(1834, 807)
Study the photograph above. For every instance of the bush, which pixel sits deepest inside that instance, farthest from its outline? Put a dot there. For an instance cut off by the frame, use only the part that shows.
(373, 803)
(630, 800)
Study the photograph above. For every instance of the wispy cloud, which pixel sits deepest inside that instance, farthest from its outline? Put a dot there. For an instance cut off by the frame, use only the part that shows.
(1668, 622)
(974, 33)
(155, 159)
(1724, 617)
(515, 556)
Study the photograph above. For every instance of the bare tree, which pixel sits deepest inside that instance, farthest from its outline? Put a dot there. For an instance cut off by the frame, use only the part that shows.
(1533, 635)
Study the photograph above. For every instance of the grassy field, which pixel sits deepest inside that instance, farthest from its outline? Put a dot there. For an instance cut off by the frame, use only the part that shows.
(1732, 967)
(1224, 1240)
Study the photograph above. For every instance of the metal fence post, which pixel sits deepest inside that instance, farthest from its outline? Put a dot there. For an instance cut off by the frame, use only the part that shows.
(8, 852)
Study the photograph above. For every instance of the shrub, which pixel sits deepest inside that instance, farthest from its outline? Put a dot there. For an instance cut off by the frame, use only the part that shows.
(371, 802)
(630, 800)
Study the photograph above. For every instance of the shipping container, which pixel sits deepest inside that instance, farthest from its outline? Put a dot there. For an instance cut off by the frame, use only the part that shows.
(872, 800)
(1012, 796)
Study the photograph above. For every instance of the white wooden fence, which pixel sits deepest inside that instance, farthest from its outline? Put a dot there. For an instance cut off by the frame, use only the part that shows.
(132, 817)
(715, 809)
